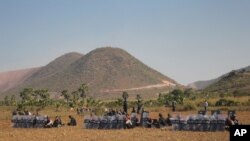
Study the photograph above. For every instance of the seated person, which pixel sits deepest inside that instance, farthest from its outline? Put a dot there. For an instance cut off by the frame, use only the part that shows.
(138, 122)
(156, 123)
(149, 122)
(72, 121)
(49, 122)
(168, 122)
(232, 120)
(57, 122)
(128, 122)
(161, 120)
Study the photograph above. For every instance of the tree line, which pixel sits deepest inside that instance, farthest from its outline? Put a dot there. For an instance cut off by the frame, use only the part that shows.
(41, 98)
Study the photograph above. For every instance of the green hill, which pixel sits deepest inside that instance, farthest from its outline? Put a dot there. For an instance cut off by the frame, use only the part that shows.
(199, 85)
(54, 67)
(107, 71)
(238, 80)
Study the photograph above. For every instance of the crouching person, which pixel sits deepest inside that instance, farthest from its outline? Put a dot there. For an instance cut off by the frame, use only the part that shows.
(72, 121)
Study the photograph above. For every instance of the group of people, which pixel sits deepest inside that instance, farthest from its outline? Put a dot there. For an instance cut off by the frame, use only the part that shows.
(58, 122)
(160, 122)
(48, 122)
(135, 119)
(130, 120)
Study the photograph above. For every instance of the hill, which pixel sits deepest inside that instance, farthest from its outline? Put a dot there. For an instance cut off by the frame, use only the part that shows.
(199, 85)
(54, 67)
(235, 81)
(202, 84)
(107, 71)
(11, 79)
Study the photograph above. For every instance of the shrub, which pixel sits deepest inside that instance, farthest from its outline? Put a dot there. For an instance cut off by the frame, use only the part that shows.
(189, 106)
(226, 102)
(193, 98)
(246, 103)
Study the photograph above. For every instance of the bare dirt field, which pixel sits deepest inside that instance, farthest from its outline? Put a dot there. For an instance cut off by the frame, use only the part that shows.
(7, 133)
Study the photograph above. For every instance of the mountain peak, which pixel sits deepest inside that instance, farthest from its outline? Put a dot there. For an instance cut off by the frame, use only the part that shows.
(68, 57)
(106, 70)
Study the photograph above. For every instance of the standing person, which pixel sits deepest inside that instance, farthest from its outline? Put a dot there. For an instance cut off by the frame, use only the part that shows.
(173, 106)
(205, 105)
(141, 119)
(139, 105)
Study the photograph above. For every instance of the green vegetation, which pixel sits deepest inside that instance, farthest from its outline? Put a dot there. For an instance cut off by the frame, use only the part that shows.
(237, 83)
(187, 100)
(226, 102)
(189, 106)
(176, 95)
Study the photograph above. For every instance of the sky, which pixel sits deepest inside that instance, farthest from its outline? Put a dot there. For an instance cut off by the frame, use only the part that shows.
(187, 40)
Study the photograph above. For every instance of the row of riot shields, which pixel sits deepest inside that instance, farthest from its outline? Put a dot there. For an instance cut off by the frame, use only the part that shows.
(199, 123)
(105, 122)
(28, 121)
(114, 122)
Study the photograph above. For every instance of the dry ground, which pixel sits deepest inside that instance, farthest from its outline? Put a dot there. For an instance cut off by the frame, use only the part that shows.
(7, 133)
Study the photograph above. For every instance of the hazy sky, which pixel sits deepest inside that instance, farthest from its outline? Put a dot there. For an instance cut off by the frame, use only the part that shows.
(185, 40)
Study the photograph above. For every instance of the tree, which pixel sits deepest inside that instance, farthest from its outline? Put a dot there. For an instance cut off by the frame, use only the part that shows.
(13, 100)
(138, 97)
(119, 102)
(125, 95)
(75, 97)
(7, 100)
(41, 97)
(161, 99)
(66, 96)
(178, 96)
(83, 90)
(125, 103)
(26, 95)
(93, 103)
(58, 105)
